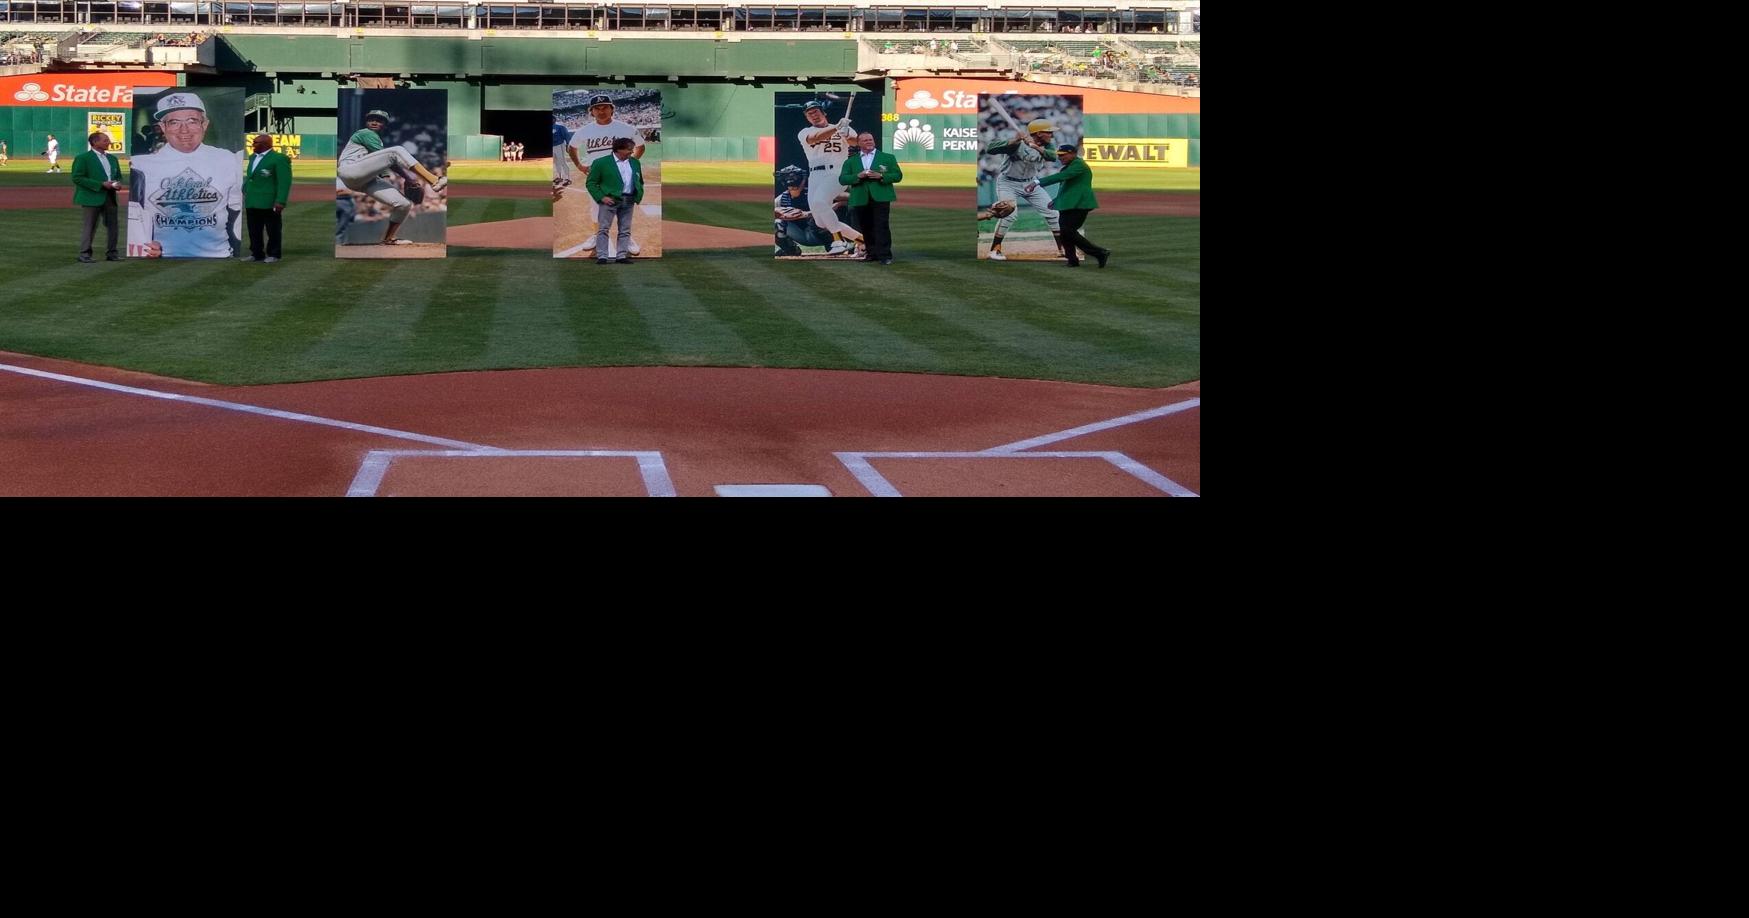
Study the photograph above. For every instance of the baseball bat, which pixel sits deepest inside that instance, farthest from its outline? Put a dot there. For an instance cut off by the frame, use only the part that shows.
(1002, 110)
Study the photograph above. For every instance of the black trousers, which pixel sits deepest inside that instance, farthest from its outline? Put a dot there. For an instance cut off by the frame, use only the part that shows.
(259, 219)
(107, 212)
(871, 219)
(1071, 221)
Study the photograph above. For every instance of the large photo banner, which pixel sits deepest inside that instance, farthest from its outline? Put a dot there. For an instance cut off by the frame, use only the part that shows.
(1018, 136)
(815, 133)
(391, 184)
(185, 182)
(587, 124)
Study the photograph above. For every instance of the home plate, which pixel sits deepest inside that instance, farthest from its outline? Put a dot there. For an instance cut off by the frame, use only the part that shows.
(773, 490)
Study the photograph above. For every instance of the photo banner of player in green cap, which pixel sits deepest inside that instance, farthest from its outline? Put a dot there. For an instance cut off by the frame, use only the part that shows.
(1018, 136)
(586, 122)
(391, 179)
(185, 173)
(815, 133)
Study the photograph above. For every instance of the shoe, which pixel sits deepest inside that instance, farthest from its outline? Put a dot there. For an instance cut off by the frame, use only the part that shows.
(112, 258)
(397, 242)
(622, 260)
(441, 183)
(1103, 257)
(996, 255)
(269, 260)
(634, 248)
(589, 244)
(839, 248)
(87, 259)
(886, 261)
(1071, 264)
(601, 261)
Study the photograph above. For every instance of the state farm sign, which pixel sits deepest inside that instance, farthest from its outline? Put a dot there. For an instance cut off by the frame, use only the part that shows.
(114, 90)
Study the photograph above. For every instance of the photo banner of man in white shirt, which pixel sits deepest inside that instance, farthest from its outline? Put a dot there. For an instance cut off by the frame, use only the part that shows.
(595, 118)
(185, 175)
(815, 133)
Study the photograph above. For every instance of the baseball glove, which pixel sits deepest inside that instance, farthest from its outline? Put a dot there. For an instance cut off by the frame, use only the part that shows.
(415, 193)
(997, 211)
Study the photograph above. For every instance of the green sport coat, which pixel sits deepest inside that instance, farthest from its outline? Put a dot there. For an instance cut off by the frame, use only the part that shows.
(269, 183)
(88, 190)
(1077, 190)
(864, 190)
(604, 180)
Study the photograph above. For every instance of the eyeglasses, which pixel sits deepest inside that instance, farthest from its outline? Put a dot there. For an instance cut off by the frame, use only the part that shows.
(183, 122)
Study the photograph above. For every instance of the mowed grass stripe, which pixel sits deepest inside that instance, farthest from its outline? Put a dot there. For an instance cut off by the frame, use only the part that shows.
(758, 313)
(380, 322)
(822, 304)
(530, 327)
(682, 327)
(602, 333)
(460, 306)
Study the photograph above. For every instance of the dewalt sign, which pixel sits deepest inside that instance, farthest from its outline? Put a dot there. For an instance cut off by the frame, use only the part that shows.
(1137, 152)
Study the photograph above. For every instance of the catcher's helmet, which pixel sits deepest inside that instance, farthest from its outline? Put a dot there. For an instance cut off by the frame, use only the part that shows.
(791, 174)
(1040, 126)
(377, 114)
(600, 100)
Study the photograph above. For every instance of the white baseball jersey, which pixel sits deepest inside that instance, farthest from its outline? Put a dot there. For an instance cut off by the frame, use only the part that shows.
(54, 150)
(188, 202)
(594, 140)
(829, 152)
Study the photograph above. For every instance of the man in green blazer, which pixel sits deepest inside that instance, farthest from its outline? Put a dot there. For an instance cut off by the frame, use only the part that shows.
(267, 180)
(617, 184)
(871, 177)
(1074, 202)
(96, 176)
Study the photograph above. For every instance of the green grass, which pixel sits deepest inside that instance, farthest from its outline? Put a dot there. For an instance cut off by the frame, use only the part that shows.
(1137, 323)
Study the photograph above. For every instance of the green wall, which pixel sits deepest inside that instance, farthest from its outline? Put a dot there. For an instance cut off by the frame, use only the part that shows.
(26, 131)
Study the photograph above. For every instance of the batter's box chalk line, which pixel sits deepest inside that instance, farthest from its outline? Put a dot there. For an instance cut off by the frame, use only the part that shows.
(877, 484)
(376, 464)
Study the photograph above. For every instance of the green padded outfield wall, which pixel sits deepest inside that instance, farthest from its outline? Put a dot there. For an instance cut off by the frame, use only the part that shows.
(26, 131)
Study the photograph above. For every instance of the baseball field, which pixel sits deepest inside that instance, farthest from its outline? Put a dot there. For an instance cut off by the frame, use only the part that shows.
(936, 310)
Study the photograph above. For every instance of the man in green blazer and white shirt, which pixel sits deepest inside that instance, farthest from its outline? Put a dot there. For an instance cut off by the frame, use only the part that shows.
(616, 183)
(1074, 202)
(96, 176)
(267, 181)
(871, 177)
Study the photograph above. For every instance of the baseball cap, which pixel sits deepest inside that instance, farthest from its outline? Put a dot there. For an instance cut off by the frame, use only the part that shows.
(600, 100)
(1040, 125)
(377, 113)
(814, 105)
(1066, 148)
(176, 101)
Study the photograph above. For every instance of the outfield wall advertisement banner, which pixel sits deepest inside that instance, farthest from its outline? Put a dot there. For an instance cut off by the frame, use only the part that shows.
(391, 184)
(185, 181)
(936, 120)
(102, 90)
(290, 144)
(815, 133)
(586, 123)
(1018, 137)
(1136, 153)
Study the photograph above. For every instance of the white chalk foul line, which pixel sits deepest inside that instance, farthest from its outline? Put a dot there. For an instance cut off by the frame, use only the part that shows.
(376, 464)
(1086, 429)
(879, 486)
(249, 409)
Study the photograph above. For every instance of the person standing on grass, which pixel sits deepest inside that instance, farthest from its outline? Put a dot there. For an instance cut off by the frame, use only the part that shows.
(267, 181)
(871, 176)
(96, 176)
(1075, 201)
(616, 182)
(54, 154)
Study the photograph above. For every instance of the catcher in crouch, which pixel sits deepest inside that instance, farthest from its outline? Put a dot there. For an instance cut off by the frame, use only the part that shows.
(365, 165)
(795, 225)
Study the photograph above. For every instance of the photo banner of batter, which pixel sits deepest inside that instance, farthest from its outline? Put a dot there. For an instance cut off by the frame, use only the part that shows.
(586, 125)
(391, 185)
(1018, 136)
(185, 182)
(815, 133)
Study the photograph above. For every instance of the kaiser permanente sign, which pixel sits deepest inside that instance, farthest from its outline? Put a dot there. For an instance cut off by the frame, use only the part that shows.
(940, 116)
(78, 90)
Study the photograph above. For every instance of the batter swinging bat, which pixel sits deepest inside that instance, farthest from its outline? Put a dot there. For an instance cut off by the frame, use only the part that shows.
(1002, 110)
